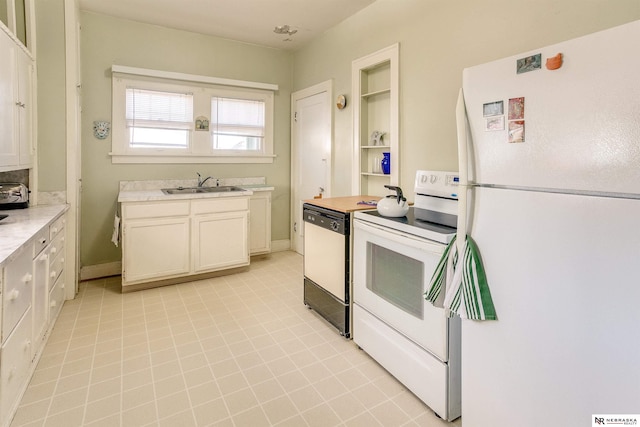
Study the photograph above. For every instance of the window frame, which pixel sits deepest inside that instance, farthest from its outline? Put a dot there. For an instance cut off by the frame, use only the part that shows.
(200, 148)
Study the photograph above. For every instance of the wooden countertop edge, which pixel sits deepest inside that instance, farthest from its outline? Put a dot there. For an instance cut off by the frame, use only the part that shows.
(344, 204)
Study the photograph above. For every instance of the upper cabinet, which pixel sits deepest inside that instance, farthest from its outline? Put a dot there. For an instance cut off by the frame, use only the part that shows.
(17, 98)
(375, 80)
(16, 106)
(17, 17)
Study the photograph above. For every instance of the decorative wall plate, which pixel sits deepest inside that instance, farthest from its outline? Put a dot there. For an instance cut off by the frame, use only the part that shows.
(101, 129)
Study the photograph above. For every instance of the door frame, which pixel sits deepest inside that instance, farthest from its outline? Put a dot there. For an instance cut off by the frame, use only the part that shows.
(326, 86)
(73, 91)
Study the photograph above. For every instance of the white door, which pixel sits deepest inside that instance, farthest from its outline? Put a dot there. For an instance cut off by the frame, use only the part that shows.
(311, 130)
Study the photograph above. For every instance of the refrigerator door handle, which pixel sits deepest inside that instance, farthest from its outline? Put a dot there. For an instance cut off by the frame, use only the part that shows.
(463, 158)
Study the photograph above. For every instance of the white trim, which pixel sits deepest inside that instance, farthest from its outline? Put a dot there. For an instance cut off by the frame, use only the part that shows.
(191, 77)
(72, 126)
(200, 149)
(99, 271)
(196, 158)
(390, 55)
(280, 245)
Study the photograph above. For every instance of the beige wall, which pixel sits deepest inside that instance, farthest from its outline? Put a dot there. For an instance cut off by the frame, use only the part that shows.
(106, 41)
(50, 56)
(437, 40)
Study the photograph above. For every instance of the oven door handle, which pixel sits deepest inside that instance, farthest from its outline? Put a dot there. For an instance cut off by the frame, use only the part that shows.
(400, 238)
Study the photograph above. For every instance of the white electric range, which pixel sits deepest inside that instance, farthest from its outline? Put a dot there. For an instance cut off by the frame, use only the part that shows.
(394, 259)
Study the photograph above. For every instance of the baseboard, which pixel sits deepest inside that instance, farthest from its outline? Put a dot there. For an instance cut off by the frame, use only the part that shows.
(280, 245)
(98, 271)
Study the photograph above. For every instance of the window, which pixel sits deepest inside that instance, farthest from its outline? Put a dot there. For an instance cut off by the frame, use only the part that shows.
(158, 119)
(162, 117)
(237, 124)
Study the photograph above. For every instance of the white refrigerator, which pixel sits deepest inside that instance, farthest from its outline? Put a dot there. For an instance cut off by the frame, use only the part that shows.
(550, 159)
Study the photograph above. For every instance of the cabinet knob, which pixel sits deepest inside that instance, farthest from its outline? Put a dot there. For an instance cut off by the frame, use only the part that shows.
(53, 303)
(55, 230)
(27, 278)
(53, 274)
(27, 345)
(14, 294)
(43, 257)
(54, 250)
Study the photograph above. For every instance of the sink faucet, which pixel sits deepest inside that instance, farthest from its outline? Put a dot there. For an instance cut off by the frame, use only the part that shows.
(202, 181)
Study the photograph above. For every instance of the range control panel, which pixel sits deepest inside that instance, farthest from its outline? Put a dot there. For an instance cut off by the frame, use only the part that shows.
(437, 183)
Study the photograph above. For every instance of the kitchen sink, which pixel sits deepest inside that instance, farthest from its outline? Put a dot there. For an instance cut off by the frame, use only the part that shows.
(193, 190)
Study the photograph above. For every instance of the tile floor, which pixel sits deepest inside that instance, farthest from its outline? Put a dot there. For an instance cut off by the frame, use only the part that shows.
(238, 350)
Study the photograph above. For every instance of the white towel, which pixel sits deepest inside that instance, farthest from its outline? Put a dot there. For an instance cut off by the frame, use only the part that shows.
(115, 237)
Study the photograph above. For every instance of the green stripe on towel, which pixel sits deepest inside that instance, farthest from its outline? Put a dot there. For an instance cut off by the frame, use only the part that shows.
(463, 291)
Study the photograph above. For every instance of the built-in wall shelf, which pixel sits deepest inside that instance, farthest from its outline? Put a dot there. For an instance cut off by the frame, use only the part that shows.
(377, 92)
(375, 80)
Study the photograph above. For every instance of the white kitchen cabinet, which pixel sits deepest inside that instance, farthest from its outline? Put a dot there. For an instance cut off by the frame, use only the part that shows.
(26, 281)
(16, 106)
(9, 151)
(17, 17)
(165, 240)
(15, 367)
(220, 241)
(260, 223)
(17, 338)
(375, 80)
(155, 240)
(24, 108)
(17, 288)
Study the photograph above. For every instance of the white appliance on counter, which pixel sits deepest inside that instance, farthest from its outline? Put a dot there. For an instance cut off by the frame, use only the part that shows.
(394, 259)
(556, 217)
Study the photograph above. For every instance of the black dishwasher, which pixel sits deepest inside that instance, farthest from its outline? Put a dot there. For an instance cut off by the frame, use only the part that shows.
(326, 265)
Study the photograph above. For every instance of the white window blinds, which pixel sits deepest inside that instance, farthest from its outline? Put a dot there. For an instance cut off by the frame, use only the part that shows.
(158, 119)
(237, 124)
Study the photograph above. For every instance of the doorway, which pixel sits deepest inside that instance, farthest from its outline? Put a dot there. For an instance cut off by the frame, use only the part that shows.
(311, 151)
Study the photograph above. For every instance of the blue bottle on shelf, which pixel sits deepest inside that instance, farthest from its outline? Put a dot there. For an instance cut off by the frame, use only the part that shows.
(386, 163)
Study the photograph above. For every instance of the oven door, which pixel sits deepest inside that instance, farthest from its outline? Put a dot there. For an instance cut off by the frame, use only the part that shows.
(392, 271)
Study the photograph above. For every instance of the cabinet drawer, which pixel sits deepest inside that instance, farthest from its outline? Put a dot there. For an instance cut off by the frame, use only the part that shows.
(226, 204)
(57, 227)
(57, 247)
(16, 360)
(55, 268)
(40, 241)
(56, 299)
(154, 209)
(17, 290)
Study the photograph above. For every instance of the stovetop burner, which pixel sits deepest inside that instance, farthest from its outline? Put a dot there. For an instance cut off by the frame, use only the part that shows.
(411, 225)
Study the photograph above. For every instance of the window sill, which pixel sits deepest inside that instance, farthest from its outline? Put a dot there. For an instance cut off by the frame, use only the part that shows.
(196, 158)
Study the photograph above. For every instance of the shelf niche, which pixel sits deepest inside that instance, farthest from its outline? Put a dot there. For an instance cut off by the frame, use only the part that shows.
(375, 81)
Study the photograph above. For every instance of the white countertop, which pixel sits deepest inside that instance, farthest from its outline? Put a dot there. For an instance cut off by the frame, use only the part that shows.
(24, 224)
(142, 191)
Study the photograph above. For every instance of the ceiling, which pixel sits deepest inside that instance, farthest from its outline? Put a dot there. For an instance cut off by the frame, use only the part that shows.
(251, 21)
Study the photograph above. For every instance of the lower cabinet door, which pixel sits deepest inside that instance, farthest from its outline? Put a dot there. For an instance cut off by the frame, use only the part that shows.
(220, 241)
(155, 249)
(16, 360)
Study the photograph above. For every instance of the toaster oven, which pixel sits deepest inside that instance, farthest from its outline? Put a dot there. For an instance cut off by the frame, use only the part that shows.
(13, 195)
